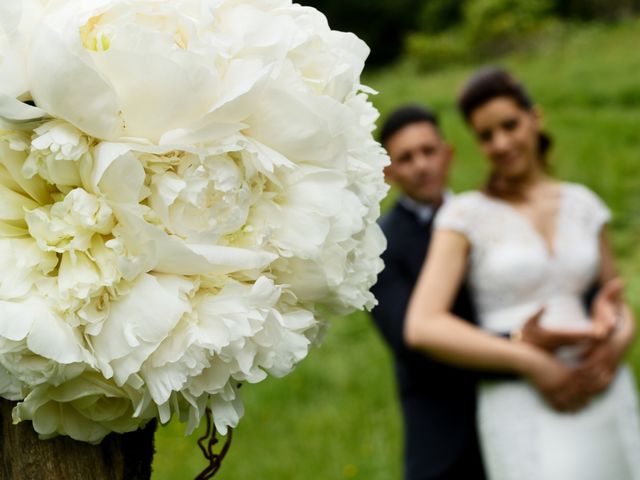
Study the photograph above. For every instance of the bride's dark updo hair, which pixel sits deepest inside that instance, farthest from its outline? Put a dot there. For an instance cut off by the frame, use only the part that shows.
(490, 83)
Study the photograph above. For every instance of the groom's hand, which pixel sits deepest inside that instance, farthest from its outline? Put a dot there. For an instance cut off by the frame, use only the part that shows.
(551, 339)
(568, 389)
(600, 362)
(605, 309)
(610, 319)
(604, 312)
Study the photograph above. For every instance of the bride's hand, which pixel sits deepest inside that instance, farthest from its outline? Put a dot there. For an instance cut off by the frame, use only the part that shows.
(561, 387)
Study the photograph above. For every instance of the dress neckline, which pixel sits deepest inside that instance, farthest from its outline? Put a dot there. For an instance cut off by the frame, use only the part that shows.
(550, 245)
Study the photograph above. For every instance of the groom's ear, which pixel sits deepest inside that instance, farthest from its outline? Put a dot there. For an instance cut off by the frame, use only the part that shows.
(451, 151)
(388, 173)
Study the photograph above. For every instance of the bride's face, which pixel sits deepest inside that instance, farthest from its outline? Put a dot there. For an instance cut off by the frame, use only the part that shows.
(508, 136)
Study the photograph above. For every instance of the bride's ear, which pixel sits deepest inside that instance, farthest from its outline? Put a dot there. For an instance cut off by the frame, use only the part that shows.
(538, 114)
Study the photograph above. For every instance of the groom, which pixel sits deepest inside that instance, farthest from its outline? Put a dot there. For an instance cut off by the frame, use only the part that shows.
(438, 401)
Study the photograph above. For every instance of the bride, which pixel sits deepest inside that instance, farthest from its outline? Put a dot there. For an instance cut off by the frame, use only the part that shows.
(528, 244)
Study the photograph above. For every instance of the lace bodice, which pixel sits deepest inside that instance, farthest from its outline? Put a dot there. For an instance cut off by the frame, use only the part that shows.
(512, 271)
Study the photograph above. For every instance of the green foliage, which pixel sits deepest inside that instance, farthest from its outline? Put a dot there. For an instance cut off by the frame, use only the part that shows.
(336, 416)
(487, 28)
(433, 52)
(596, 9)
(496, 26)
(437, 16)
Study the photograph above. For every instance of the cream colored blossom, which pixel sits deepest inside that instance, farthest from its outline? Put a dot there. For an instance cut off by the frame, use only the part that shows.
(196, 181)
(57, 149)
(71, 223)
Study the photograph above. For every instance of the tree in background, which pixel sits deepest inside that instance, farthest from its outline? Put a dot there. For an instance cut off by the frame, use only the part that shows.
(383, 24)
(437, 32)
(596, 9)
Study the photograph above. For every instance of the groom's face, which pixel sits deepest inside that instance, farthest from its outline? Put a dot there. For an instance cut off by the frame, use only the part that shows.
(420, 160)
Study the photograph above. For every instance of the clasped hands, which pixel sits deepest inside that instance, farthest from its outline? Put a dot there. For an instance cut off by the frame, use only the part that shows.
(568, 388)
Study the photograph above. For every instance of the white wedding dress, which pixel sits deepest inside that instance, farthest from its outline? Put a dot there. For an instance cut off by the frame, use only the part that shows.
(513, 273)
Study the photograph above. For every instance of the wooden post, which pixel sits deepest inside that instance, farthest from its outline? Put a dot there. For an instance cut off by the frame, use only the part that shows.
(118, 457)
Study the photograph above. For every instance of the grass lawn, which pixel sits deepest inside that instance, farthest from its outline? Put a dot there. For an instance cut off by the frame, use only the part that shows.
(336, 415)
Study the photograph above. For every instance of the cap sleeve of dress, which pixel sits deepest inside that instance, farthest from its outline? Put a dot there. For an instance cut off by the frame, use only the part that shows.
(457, 214)
(590, 208)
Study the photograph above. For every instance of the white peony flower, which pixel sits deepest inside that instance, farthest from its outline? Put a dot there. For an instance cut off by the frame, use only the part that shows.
(201, 199)
(17, 21)
(85, 408)
(56, 151)
(70, 224)
(196, 182)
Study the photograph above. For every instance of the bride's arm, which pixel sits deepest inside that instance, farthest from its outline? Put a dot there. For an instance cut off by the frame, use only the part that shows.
(611, 297)
(431, 328)
(601, 361)
(608, 270)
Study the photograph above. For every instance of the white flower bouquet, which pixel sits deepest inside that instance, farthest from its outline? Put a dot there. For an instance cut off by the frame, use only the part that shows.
(186, 187)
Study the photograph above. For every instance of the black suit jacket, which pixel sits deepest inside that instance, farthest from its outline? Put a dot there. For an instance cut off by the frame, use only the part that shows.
(438, 401)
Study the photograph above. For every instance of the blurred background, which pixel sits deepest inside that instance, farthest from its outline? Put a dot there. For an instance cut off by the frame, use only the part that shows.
(336, 416)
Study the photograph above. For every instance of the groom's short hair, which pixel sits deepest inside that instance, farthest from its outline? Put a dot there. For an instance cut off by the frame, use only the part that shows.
(406, 115)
